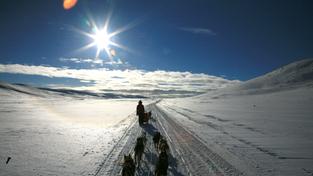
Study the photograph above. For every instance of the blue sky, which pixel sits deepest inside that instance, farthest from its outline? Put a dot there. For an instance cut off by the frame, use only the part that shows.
(227, 39)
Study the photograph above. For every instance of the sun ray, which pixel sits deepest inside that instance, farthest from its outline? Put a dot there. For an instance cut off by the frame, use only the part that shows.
(80, 31)
(127, 27)
(107, 21)
(97, 53)
(85, 47)
(107, 50)
(122, 29)
(122, 47)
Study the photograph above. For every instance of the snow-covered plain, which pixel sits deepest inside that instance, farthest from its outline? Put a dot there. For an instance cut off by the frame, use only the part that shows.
(58, 135)
(260, 127)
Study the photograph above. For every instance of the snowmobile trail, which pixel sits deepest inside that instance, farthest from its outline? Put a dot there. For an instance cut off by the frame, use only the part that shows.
(194, 154)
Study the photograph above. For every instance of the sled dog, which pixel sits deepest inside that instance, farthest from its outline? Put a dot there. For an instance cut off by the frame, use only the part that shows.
(162, 164)
(156, 138)
(129, 167)
(163, 145)
(139, 148)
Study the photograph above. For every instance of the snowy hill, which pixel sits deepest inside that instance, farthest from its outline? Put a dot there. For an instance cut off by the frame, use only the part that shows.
(294, 74)
(262, 126)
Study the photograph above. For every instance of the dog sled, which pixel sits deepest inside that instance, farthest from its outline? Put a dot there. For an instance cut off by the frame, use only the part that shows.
(147, 117)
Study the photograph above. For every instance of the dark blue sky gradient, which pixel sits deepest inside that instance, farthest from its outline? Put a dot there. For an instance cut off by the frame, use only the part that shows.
(252, 37)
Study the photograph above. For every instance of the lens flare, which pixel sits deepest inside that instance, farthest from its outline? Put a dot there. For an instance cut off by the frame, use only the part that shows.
(113, 52)
(68, 4)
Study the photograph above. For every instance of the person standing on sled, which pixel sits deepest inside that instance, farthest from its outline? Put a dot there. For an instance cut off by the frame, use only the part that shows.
(140, 112)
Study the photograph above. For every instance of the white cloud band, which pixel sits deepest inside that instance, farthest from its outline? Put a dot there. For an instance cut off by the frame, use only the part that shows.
(104, 78)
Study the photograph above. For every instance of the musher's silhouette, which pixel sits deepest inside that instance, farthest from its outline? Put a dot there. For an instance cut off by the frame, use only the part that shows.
(140, 112)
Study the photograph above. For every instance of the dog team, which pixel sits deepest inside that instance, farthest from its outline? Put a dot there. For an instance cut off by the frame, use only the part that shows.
(161, 146)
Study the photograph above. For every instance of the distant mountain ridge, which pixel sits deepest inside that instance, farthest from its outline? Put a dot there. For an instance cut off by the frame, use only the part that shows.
(47, 92)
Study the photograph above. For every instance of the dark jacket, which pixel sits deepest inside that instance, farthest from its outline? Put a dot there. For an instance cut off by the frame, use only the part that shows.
(140, 110)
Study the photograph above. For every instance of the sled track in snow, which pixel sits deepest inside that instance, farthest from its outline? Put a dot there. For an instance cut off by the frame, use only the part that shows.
(188, 155)
(198, 158)
(111, 164)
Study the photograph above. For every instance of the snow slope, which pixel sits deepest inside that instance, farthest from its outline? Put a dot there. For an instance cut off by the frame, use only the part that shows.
(292, 75)
(262, 127)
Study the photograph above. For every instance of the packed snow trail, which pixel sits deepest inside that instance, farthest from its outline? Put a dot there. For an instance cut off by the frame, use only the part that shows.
(112, 162)
(188, 154)
(197, 157)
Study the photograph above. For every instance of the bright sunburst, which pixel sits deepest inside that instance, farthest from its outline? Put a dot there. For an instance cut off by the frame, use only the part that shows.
(102, 39)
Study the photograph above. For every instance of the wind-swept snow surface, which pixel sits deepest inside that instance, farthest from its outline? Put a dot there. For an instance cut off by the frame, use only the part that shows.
(58, 135)
(262, 127)
(50, 134)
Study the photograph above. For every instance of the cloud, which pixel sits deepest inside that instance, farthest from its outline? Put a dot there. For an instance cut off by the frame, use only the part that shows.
(113, 62)
(93, 61)
(125, 80)
(198, 30)
(82, 60)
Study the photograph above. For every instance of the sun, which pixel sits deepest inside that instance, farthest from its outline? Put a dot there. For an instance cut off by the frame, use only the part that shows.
(101, 39)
